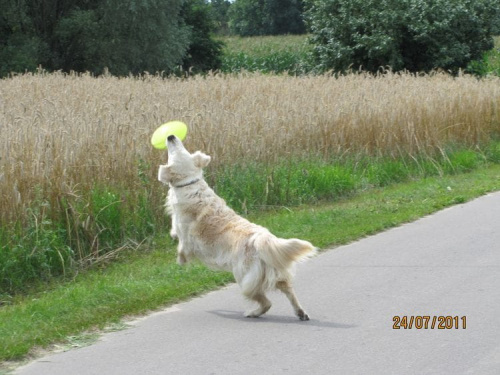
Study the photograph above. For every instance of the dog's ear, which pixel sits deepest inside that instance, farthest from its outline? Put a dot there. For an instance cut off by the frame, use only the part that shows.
(200, 159)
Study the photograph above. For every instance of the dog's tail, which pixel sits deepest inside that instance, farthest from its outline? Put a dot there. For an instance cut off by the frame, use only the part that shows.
(280, 253)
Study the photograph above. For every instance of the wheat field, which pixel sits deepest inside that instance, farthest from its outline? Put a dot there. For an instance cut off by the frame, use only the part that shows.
(78, 173)
(63, 135)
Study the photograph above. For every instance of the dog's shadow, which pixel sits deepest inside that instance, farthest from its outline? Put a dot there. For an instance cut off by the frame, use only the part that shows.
(278, 319)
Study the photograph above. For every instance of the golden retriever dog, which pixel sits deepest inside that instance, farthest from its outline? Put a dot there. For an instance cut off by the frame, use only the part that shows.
(207, 229)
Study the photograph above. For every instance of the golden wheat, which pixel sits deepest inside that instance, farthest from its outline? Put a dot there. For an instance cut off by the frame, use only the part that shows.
(61, 135)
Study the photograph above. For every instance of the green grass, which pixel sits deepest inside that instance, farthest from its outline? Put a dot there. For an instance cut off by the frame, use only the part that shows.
(266, 54)
(261, 46)
(147, 280)
(93, 300)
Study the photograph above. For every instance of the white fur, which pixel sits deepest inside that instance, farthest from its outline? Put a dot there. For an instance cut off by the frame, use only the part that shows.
(212, 232)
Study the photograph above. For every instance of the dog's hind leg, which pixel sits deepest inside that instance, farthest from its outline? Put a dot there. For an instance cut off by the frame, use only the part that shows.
(287, 289)
(264, 305)
(250, 280)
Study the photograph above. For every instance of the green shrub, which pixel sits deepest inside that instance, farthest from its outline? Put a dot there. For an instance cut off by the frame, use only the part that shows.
(489, 64)
(414, 35)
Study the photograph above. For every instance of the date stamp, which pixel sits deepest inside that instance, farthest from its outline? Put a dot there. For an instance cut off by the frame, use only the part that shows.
(429, 322)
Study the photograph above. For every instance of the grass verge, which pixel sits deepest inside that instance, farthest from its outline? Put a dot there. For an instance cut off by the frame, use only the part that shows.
(145, 281)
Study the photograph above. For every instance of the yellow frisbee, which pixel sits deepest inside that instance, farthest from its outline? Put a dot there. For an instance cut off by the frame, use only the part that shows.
(159, 138)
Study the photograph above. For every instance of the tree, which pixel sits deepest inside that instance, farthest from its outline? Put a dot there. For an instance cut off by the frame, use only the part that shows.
(220, 15)
(246, 17)
(20, 46)
(204, 53)
(125, 37)
(266, 17)
(496, 21)
(416, 35)
(284, 17)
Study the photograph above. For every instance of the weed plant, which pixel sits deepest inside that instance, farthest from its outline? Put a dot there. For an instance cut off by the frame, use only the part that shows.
(78, 175)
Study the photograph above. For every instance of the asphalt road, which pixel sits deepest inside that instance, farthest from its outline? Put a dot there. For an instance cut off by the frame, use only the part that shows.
(447, 264)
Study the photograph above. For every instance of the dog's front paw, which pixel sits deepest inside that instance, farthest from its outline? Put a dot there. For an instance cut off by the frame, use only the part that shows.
(173, 234)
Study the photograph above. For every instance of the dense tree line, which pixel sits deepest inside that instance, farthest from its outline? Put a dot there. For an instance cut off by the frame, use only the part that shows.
(123, 36)
(134, 36)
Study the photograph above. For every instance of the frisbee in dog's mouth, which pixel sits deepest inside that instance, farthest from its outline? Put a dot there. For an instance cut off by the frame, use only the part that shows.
(166, 131)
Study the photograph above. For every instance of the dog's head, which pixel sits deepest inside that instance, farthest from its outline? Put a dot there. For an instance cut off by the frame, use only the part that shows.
(182, 167)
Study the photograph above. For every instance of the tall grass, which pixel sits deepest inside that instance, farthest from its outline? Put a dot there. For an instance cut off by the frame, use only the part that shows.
(78, 175)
